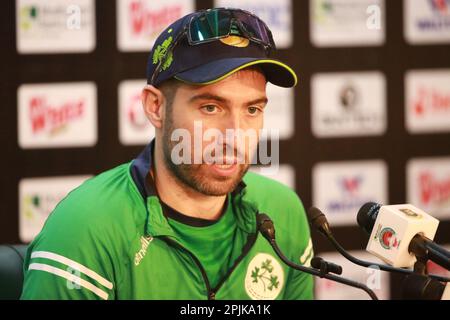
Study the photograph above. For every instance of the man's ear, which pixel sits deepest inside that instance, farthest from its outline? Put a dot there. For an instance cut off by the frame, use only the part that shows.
(153, 103)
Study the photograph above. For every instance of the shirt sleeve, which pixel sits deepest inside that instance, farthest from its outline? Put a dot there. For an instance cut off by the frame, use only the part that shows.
(69, 259)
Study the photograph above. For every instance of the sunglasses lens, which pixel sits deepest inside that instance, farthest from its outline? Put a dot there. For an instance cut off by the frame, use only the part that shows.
(210, 25)
(217, 23)
(254, 27)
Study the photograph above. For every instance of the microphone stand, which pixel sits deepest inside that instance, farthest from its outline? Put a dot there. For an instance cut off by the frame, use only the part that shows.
(267, 229)
(424, 249)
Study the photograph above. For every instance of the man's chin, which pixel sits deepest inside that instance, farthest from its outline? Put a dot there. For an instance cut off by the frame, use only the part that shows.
(219, 180)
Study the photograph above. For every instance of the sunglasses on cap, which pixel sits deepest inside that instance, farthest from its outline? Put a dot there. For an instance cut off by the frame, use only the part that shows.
(213, 24)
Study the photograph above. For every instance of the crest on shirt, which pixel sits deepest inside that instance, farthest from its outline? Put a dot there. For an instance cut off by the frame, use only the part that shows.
(265, 277)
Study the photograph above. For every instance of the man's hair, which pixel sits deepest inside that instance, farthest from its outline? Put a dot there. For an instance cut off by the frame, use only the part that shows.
(169, 89)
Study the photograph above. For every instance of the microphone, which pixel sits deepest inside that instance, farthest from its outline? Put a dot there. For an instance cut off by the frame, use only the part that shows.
(267, 229)
(318, 221)
(420, 287)
(401, 234)
(319, 263)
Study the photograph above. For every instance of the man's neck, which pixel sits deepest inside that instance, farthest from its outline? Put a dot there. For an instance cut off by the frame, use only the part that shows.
(182, 198)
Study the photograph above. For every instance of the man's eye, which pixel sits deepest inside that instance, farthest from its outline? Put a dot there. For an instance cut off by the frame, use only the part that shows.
(253, 110)
(210, 108)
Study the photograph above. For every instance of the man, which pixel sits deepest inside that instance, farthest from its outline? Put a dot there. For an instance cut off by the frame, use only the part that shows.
(166, 225)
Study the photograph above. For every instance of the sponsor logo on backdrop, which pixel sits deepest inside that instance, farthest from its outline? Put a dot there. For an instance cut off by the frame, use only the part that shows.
(428, 185)
(37, 199)
(346, 22)
(375, 279)
(57, 115)
(52, 119)
(134, 127)
(276, 14)
(427, 21)
(139, 22)
(44, 26)
(279, 112)
(348, 104)
(341, 188)
(285, 174)
(427, 101)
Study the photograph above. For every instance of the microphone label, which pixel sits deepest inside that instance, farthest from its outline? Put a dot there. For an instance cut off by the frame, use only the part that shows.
(387, 238)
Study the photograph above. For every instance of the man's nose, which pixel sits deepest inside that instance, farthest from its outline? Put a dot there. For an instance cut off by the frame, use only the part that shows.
(233, 121)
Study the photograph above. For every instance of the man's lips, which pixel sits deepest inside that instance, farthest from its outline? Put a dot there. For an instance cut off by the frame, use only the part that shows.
(225, 161)
(224, 169)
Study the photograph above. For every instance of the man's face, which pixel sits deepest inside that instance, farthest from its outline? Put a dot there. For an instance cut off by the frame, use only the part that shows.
(237, 102)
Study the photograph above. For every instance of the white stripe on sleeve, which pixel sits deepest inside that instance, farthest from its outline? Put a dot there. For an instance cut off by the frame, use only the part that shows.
(69, 276)
(74, 265)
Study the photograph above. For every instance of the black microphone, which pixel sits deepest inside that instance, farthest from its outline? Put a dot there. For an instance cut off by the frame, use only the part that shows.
(318, 221)
(267, 229)
(325, 266)
(421, 287)
(367, 215)
(420, 245)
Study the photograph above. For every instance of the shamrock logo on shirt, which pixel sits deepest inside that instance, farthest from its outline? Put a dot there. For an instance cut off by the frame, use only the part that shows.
(263, 274)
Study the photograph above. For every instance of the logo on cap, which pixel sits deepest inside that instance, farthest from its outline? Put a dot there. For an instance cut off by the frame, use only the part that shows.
(161, 51)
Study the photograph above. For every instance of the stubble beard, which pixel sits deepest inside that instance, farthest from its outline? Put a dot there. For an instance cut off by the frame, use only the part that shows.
(197, 176)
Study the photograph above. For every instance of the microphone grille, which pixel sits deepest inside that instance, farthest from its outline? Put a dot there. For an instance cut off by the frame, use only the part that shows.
(367, 215)
(313, 213)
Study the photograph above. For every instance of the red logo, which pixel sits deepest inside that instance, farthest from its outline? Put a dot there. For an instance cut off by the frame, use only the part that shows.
(45, 117)
(440, 5)
(431, 100)
(433, 190)
(351, 185)
(389, 239)
(145, 21)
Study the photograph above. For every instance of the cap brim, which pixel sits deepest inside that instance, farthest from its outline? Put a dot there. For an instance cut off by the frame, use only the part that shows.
(275, 71)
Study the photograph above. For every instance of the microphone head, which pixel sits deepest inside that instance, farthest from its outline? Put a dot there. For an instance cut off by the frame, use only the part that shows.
(392, 228)
(319, 263)
(318, 220)
(315, 262)
(265, 226)
(367, 215)
(262, 218)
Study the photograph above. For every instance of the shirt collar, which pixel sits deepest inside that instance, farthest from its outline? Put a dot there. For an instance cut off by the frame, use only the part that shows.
(140, 169)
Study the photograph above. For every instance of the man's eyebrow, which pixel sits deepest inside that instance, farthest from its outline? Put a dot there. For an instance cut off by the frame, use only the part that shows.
(263, 100)
(209, 96)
